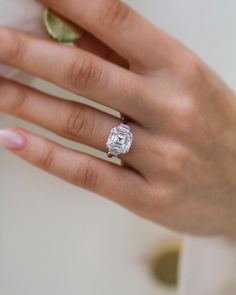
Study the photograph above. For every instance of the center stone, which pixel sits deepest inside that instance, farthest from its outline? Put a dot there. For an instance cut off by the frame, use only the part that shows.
(120, 140)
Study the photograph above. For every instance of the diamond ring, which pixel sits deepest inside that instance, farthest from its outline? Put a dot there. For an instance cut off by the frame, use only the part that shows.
(119, 141)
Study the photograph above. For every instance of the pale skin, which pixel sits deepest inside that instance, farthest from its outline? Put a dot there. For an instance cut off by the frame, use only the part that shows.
(181, 169)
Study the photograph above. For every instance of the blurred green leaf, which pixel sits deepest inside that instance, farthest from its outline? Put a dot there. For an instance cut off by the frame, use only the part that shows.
(61, 29)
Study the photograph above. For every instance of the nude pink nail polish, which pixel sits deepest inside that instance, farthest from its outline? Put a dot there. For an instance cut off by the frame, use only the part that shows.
(12, 140)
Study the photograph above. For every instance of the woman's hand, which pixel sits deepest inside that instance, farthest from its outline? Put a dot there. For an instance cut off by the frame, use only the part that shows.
(181, 169)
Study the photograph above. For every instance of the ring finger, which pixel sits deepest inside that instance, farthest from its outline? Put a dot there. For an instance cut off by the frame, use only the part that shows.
(68, 119)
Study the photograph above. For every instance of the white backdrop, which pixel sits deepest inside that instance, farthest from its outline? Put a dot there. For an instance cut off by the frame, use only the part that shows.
(58, 239)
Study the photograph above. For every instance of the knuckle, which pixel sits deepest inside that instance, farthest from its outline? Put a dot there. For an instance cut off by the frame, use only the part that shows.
(18, 49)
(186, 113)
(114, 13)
(13, 99)
(179, 160)
(78, 123)
(183, 115)
(84, 73)
(18, 102)
(160, 201)
(46, 161)
(87, 175)
(194, 70)
(6, 38)
(195, 65)
(167, 198)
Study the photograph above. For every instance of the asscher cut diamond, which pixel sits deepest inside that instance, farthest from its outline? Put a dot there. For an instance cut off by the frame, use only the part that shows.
(120, 140)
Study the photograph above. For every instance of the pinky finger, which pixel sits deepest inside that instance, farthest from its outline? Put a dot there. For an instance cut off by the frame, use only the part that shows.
(107, 179)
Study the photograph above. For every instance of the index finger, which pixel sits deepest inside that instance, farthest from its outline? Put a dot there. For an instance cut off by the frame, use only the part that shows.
(120, 27)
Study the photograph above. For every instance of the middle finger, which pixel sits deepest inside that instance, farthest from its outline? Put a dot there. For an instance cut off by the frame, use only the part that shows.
(74, 69)
(93, 45)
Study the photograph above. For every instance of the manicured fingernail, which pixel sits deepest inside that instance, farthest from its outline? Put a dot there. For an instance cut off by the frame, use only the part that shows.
(12, 140)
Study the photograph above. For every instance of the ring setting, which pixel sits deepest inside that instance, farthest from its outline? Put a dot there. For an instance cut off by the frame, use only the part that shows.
(119, 141)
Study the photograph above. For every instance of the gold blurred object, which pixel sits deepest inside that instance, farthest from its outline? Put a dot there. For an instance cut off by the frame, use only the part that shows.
(61, 29)
(164, 263)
